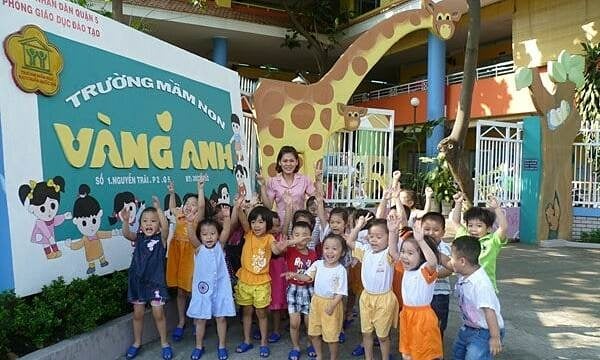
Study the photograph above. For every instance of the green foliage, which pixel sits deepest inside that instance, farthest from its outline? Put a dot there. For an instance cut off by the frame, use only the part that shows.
(60, 311)
(591, 236)
(588, 96)
(440, 178)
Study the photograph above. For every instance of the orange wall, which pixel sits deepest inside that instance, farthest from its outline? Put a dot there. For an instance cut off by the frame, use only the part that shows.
(492, 97)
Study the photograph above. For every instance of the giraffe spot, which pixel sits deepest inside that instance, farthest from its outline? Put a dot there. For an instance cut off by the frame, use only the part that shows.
(296, 91)
(388, 30)
(303, 115)
(326, 118)
(315, 141)
(323, 94)
(272, 101)
(276, 128)
(268, 150)
(366, 41)
(415, 19)
(271, 170)
(359, 65)
(339, 69)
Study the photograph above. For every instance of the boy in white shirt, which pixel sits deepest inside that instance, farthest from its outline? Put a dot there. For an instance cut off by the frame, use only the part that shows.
(481, 334)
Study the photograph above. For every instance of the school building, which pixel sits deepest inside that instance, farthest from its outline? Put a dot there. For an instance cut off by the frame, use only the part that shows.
(419, 78)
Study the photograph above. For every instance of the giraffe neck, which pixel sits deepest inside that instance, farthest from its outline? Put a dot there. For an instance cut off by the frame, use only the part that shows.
(350, 69)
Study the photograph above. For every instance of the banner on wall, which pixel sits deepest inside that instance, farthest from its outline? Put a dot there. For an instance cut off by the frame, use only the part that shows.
(96, 116)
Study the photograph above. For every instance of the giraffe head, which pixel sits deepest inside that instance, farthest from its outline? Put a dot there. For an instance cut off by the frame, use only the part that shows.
(445, 13)
(352, 115)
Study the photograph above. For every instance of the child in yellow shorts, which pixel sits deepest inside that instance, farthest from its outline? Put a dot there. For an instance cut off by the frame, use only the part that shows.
(330, 283)
(253, 289)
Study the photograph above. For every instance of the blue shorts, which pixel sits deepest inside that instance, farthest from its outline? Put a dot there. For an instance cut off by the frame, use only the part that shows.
(473, 344)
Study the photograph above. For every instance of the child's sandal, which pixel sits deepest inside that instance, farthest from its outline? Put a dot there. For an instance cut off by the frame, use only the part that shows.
(167, 352)
(265, 352)
(342, 338)
(132, 352)
(243, 347)
(359, 350)
(177, 334)
(311, 352)
(197, 354)
(222, 354)
(294, 354)
(274, 337)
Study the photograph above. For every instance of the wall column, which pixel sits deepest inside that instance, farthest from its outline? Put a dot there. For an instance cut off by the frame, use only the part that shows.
(220, 45)
(436, 89)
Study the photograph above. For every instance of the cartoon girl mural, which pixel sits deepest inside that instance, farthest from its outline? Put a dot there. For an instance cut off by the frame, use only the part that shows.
(42, 200)
(134, 207)
(87, 216)
(241, 174)
(239, 143)
(223, 192)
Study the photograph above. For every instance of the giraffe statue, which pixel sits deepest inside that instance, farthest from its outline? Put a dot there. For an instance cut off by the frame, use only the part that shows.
(304, 116)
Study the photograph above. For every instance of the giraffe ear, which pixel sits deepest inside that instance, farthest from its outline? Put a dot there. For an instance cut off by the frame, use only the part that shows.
(362, 112)
(340, 108)
(428, 5)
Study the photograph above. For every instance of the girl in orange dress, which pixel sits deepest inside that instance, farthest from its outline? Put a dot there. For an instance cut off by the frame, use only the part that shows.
(180, 254)
(420, 337)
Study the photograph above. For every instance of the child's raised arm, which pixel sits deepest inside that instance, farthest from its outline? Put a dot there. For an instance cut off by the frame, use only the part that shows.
(172, 202)
(201, 201)
(382, 207)
(393, 224)
(264, 195)
(500, 217)
(127, 233)
(191, 230)
(320, 206)
(164, 223)
(226, 231)
(400, 212)
(428, 253)
(241, 214)
(360, 223)
(455, 213)
(428, 200)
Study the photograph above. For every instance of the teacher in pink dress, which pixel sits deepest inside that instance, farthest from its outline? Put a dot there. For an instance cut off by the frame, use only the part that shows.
(300, 187)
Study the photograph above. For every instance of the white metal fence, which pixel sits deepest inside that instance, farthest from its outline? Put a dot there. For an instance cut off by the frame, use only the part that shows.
(586, 161)
(421, 85)
(498, 162)
(358, 166)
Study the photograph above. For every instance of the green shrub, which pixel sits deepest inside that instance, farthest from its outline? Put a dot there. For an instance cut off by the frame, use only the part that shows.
(591, 236)
(60, 311)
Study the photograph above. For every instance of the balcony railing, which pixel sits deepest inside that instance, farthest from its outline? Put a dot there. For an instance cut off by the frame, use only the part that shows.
(421, 85)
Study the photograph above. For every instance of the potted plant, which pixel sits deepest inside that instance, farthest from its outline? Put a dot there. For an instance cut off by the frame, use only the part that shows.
(440, 180)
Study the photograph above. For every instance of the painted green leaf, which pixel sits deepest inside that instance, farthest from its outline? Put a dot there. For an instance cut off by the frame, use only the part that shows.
(557, 72)
(564, 58)
(577, 78)
(523, 77)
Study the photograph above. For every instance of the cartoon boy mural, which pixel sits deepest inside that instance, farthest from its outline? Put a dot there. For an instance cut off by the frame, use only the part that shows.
(87, 216)
(42, 199)
(223, 193)
(241, 175)
(239, 143)
(134, 207)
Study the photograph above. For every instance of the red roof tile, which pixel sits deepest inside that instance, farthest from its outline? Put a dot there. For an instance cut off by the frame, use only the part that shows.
(251, 14)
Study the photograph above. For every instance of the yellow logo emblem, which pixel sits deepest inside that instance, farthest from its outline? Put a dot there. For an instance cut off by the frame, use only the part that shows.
(36, 63)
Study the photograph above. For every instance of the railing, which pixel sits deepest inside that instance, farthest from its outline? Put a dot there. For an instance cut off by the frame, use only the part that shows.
(586, 167)
(421, 85)
(247, 86)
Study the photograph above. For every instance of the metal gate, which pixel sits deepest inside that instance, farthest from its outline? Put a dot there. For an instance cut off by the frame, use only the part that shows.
(358, 164)
(498, 162)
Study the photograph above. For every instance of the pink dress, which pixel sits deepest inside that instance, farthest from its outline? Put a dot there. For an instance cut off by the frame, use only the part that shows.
(300, 188)
(277, 266)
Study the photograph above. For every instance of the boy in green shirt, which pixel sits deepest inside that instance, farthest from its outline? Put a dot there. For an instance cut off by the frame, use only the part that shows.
(479, 223)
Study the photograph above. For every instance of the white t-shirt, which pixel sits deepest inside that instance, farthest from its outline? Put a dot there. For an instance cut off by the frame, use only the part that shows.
(328, 281)
(377, 270)
(417, 286)
(475, 292)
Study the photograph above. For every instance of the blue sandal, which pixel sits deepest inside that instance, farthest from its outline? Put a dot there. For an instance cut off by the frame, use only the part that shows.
(359, 350)
(222, 354)
(264, 352)
(310, 351)
(342, 338)
(167, 352)
(274, 337)
(294, 354)
(197, 354)
(243, 347)
(256, 334)
(347, 323)
(132, 352)
(177, 334)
